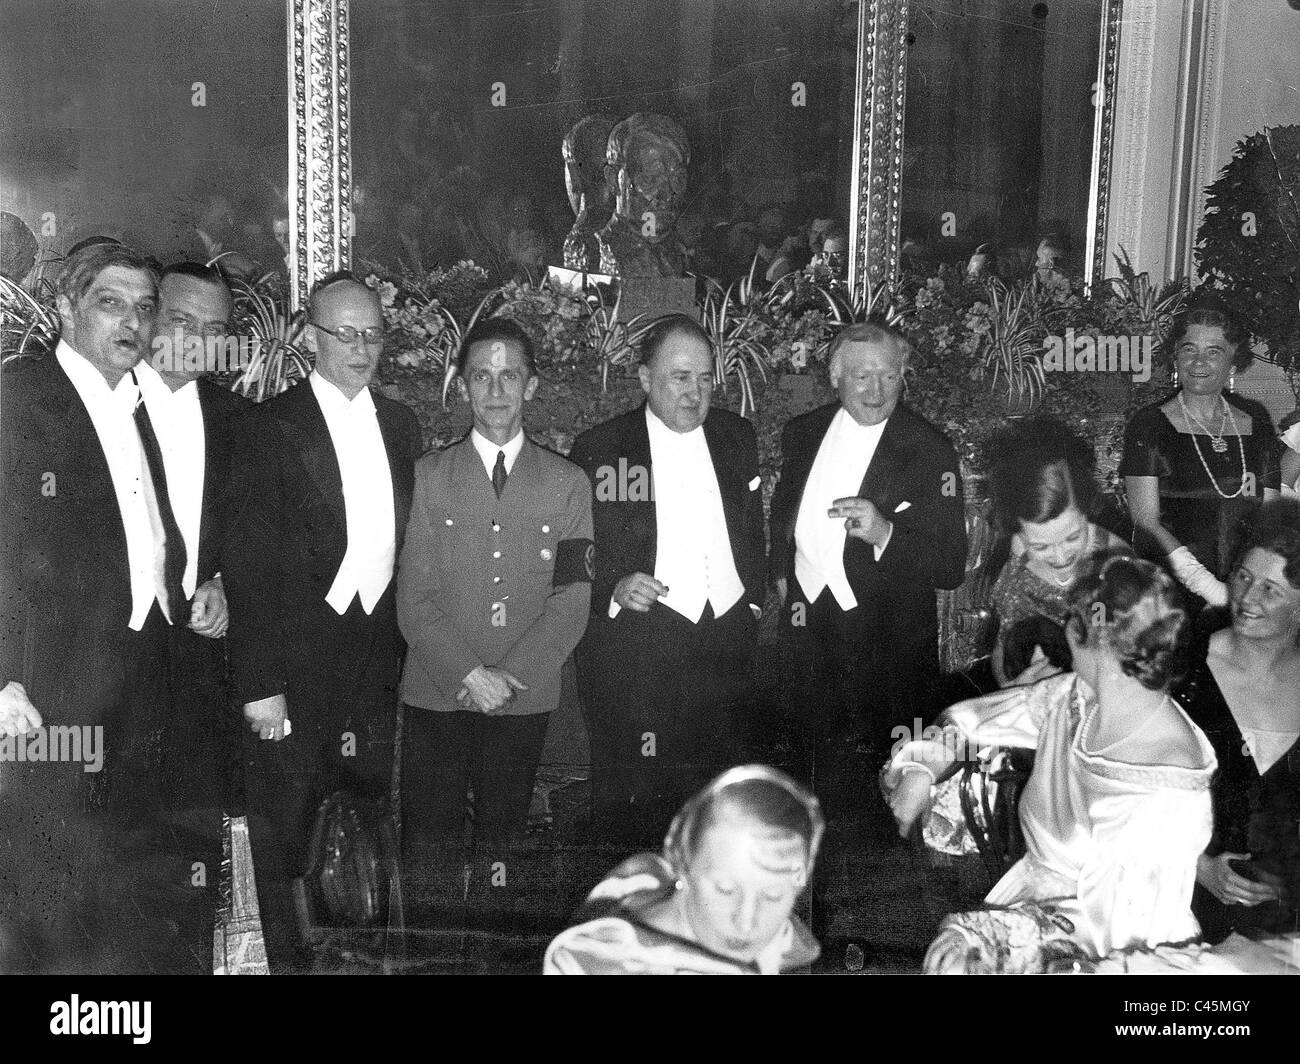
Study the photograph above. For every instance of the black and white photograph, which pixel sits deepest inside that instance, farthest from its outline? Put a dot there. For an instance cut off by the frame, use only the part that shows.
(651, 487)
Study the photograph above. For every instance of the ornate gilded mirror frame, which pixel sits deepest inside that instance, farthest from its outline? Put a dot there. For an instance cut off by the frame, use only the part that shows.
(1103, 141)
(878, 142)
(320, 133)
(320, 161)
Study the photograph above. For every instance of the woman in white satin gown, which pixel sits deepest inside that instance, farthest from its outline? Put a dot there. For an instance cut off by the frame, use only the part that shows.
(1118, 806)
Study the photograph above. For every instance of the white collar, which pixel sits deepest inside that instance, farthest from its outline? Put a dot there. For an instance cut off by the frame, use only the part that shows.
(155, 388)
(487, 450)
(88, 380)
(333, 401)
(661, 433)
(844, 424)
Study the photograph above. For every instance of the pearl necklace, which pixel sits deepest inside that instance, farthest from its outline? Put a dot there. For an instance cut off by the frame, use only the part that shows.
(1219, 444)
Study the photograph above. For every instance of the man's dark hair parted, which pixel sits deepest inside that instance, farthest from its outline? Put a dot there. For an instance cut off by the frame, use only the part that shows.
(199, 272)
(81, 269)
(505, 330)
(668, 326)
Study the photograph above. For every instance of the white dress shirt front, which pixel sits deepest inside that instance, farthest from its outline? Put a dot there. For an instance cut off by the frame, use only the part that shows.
(177, 421)
(487, 450)
(837, 471)
(693, 554)
(112, 413)
(367, 567)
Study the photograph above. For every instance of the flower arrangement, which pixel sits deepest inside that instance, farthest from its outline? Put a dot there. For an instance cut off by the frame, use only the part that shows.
(554, 317)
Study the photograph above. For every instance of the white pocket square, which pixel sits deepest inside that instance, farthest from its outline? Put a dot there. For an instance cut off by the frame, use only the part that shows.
(901, 507)
(753, 484)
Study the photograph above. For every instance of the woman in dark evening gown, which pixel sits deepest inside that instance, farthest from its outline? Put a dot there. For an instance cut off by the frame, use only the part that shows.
(1244, 693)
(1198, 465)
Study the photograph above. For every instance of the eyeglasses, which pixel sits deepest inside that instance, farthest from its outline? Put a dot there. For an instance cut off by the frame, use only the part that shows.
(346, 334)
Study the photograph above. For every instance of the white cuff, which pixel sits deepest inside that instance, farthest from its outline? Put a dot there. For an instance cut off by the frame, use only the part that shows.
(879, 548)
(614, 608)
(904, 767)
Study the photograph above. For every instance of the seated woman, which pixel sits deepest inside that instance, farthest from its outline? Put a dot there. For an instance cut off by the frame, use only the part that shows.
(719, 900)
(1245, 694)
(1117, 809)
(1197, 466)
(1291, 453)
(1041, 476)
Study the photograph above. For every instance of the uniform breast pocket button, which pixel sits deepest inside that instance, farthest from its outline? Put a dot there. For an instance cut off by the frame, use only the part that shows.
(546, 528)
(450, 522)
(546, 554)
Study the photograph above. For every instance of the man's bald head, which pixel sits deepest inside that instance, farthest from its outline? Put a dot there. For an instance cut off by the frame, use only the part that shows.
(342, 304)
(345, 286)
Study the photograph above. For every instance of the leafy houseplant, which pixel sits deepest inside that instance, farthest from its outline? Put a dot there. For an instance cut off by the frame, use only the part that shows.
(1149, 308)
(731, 319)
(611, 341)
(29, 322)
(1248, 245)
(1013, 347)
(277, 358)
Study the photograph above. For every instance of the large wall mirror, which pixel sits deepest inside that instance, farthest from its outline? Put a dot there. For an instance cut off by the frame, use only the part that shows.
(918, 130)
(459, 109)
(166, 129)
(1006, 132)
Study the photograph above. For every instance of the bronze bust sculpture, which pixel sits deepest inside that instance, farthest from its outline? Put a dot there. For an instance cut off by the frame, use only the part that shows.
(589, 194)
(647, 156)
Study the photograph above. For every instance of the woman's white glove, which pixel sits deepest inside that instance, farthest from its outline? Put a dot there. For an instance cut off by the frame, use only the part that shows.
(1196, 578)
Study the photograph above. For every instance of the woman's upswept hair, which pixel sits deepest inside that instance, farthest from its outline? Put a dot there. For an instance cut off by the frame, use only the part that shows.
(1137, 610)
(1277, 529)
(1208, 308)
(1037, 469)
(764, 795)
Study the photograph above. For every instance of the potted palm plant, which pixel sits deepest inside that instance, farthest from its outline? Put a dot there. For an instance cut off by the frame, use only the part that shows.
(1012, 355)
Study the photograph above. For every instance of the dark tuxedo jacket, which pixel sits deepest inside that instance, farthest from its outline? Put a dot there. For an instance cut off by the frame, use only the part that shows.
(221, 410)
(914, 463)
(65, 586)
(625, 529)
(288, 534)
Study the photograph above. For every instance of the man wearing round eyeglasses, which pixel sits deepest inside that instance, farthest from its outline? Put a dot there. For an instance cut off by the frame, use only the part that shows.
(321, 491)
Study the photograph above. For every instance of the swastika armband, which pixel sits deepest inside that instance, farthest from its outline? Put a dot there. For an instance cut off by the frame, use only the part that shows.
(575, 562)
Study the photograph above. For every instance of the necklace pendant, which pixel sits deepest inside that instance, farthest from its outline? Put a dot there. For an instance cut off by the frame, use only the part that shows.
(1218, 444)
